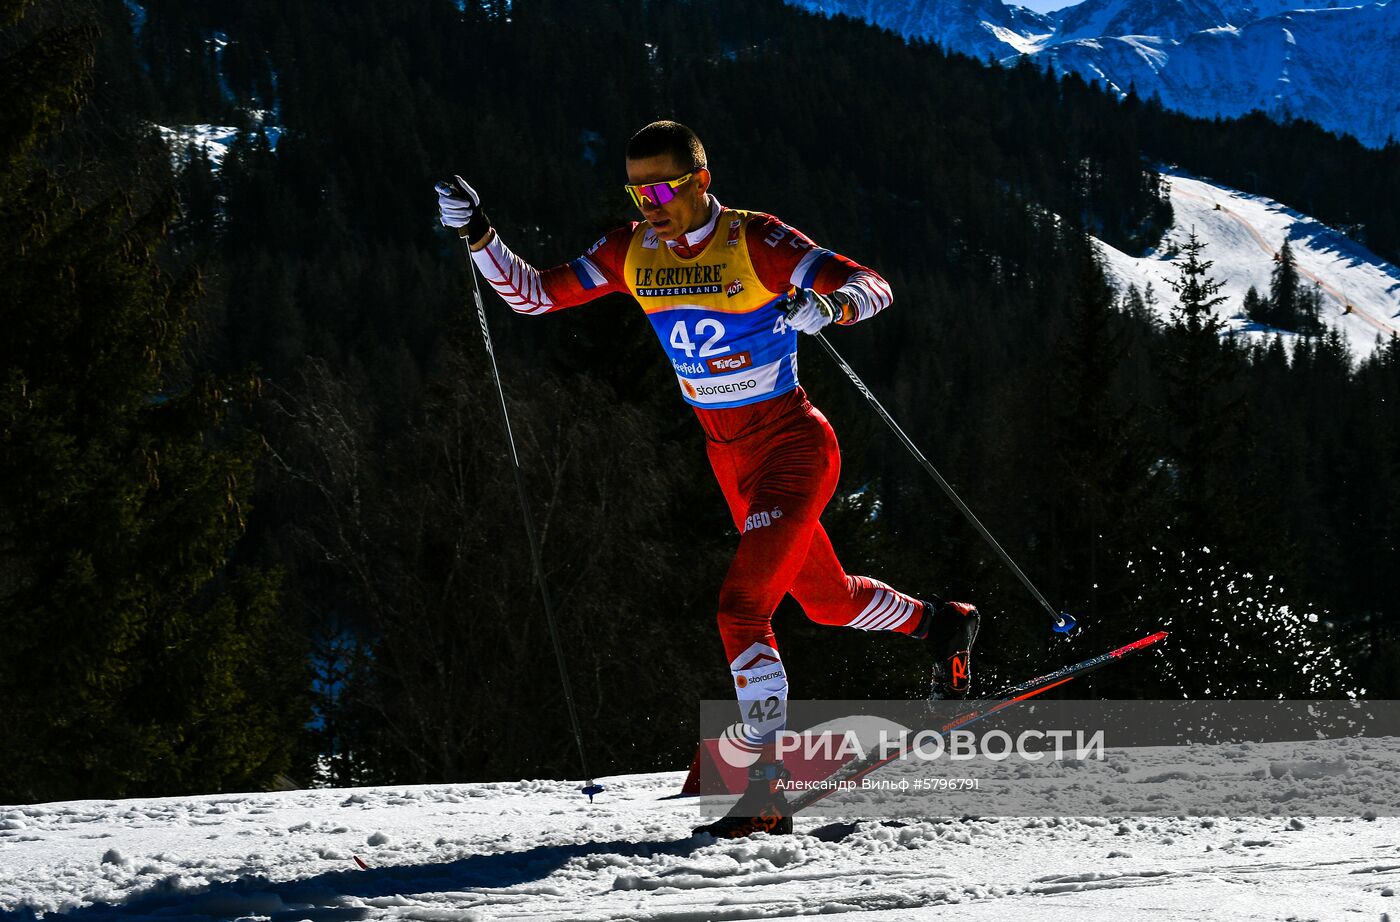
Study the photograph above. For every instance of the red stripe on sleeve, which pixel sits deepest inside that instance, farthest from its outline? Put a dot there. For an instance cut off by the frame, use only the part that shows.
(609, 254)
(776, 248)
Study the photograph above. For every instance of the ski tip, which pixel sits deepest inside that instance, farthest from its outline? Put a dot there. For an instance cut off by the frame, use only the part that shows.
(1139, 644)
(363, 866)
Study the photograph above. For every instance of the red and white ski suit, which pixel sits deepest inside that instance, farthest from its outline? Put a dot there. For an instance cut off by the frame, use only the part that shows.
(775, 455)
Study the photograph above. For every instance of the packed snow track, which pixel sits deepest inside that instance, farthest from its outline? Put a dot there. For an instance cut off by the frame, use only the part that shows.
(539, 850)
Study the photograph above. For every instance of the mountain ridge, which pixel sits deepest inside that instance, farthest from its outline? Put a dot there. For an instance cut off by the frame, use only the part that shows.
(1333, 63)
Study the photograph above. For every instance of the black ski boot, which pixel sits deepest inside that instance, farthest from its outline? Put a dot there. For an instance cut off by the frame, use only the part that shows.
(950, 627)
(761, 808)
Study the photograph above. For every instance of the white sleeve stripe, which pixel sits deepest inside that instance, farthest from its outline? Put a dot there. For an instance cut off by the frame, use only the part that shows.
(804, 273)
(870, 293)
(595, 277)
(881, 286)
(878, 287)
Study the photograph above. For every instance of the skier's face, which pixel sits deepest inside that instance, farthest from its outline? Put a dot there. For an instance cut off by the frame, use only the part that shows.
(687, 211)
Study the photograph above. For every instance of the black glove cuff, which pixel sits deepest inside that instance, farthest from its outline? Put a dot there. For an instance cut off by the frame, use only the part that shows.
(478, 227)
(845, 307)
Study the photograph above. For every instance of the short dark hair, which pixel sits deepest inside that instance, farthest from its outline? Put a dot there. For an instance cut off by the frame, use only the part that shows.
(667, 137)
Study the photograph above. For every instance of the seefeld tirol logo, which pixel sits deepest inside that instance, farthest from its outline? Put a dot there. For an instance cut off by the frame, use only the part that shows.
(729, 363)
(688, 368)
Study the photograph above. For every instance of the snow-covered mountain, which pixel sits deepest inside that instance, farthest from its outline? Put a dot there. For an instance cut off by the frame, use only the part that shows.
(1240, 11)
(1168, 19)
(1340, 68)
(1334, 62)
(981, 28)
(1242, 233)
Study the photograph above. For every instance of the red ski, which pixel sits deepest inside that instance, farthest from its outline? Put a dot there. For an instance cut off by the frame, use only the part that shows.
(853, 771)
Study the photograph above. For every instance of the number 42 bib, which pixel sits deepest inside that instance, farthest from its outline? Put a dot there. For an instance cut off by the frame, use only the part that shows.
(716, 321)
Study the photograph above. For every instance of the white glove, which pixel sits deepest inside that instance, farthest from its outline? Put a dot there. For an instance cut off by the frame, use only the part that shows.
(808, 311)
(459, 206)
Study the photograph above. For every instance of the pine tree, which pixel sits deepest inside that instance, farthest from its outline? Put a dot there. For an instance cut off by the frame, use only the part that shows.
(1374, 525)
(1255, 307)
(134, 662)
(1285, 290)
(1310, 301)
(1099, 444)
(1197, 295)
(1216, 526)
(1141, 307)
(1202, 404)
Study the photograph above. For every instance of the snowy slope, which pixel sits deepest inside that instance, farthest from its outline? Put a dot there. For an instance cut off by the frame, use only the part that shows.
(214, 141)
(538, 850)
(211, 140)
(1241, 237)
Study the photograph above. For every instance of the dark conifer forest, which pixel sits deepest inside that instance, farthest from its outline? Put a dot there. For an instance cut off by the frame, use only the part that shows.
(257, 512)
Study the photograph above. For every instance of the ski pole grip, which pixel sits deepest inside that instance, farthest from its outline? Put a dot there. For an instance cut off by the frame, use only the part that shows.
(781, 302)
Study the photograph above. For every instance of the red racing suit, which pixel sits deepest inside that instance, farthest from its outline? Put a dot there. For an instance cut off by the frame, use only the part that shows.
(774, 454)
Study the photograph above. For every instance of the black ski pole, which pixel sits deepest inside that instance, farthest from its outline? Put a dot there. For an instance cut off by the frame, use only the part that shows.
(1063, 622)
(591, 788)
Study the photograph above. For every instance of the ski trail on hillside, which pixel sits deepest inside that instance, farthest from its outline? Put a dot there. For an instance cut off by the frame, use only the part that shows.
(1242, 234)
(1272, 253)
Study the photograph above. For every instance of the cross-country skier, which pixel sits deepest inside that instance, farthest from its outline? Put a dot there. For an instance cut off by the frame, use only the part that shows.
(709, 279)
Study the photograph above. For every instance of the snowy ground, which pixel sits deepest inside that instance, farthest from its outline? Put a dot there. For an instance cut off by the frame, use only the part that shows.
(538, 850)
(1242, 234)
(213, 140)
